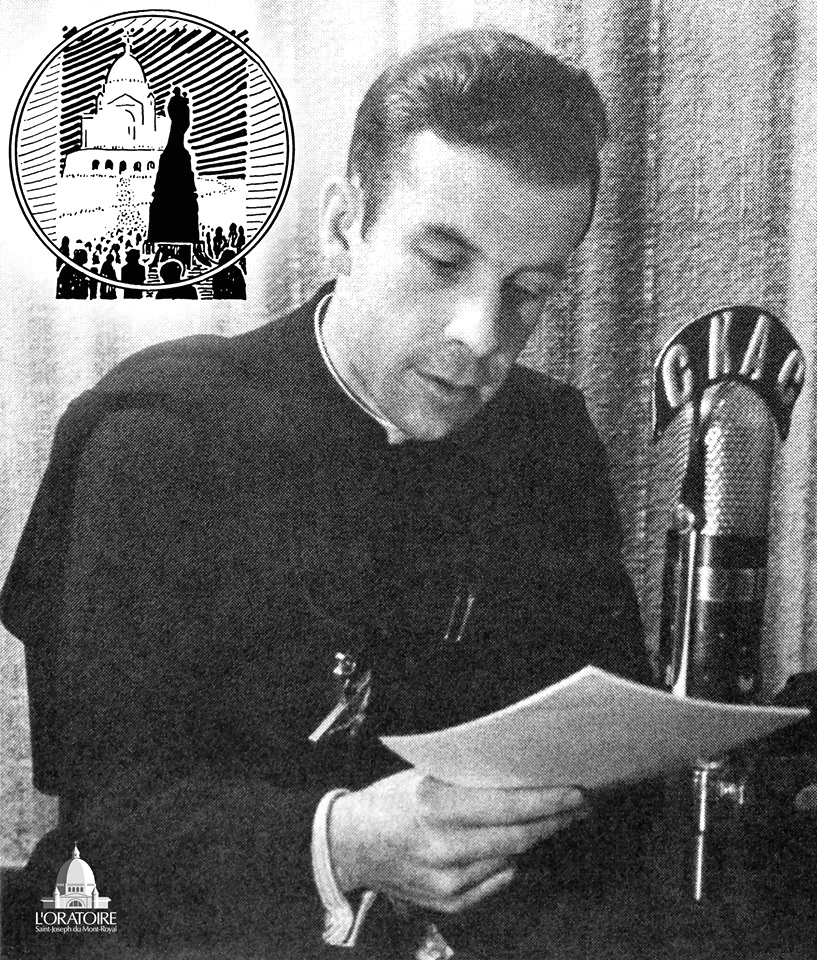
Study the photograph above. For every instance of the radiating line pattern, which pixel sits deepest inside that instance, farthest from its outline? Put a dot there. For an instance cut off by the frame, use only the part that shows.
(267, 160)
(37, 149)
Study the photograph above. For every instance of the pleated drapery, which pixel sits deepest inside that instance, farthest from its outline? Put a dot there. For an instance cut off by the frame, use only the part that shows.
(708, 199)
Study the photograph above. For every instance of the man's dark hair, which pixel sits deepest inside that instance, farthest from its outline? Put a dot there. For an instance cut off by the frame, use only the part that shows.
(485, 89)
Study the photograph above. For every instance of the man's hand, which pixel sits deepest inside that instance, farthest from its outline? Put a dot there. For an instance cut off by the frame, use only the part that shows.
(440, 846)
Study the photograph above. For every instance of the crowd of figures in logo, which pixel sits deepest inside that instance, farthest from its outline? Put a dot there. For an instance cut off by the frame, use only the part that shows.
(121, 256)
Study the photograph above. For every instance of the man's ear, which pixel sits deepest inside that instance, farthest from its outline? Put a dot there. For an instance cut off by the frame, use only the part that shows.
(340, 207)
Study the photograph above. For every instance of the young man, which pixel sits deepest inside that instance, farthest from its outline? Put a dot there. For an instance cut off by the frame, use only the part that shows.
(368, 496)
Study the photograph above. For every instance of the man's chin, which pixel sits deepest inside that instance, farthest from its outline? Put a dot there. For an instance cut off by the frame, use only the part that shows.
(433, 425)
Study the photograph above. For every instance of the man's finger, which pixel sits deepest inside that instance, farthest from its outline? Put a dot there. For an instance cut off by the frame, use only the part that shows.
(457, 880)
(476, 894)
(430, 887)
(502, 842)
(447, 804)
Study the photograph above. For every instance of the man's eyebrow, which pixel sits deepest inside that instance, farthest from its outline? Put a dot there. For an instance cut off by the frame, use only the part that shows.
(558, 271)
(448, 234)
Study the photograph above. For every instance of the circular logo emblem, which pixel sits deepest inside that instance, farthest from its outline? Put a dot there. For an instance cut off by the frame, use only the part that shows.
(151, 151)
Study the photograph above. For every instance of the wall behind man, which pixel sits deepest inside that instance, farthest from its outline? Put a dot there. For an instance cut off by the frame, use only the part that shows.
(708, 199)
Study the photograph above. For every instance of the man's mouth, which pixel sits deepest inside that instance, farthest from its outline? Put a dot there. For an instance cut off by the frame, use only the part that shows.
(449, 391)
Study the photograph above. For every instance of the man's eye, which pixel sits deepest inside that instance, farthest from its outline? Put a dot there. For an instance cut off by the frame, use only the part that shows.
(445, 266)
(522, 296)
(540, 295)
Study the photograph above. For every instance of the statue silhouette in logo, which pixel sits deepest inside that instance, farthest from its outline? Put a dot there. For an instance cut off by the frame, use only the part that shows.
(174, 210)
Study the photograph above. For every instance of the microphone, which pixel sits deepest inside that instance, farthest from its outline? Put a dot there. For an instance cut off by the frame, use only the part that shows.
(715, 569)
(738, 373)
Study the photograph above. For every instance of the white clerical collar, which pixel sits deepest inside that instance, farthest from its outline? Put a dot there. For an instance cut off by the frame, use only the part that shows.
(393, 434)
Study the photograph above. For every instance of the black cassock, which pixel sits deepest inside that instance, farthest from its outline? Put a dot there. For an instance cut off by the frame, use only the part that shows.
(217, 521)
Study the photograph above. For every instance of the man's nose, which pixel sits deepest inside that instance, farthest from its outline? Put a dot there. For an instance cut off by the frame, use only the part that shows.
(475, 324)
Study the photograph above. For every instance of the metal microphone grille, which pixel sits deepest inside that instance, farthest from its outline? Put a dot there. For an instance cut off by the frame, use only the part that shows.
(739, 442)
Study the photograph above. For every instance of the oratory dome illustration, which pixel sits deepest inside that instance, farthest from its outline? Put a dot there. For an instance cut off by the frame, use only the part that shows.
(125, 119)
(76, 887)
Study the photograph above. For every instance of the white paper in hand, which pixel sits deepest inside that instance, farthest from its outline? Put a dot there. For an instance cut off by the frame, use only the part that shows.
(593, 729)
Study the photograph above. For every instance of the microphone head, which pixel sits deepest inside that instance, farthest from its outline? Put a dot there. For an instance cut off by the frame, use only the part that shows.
(725, 385)
(738, 434)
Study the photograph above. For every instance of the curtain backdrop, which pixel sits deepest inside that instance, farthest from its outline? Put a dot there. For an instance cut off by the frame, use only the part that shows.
(708, 200)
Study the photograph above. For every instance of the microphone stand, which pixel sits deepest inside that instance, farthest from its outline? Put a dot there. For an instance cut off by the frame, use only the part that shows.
(713, 601)
(717, 786)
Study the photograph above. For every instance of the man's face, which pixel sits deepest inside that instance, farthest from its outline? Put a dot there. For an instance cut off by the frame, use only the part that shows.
(449, 283)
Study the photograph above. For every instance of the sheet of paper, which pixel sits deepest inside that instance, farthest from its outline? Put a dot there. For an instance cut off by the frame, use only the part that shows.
(593, 729)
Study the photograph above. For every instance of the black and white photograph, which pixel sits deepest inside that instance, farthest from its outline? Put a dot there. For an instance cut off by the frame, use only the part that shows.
(435, 577)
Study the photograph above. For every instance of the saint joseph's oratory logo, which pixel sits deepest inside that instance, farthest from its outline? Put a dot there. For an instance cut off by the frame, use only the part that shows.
(151, 152)
(76, 904)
